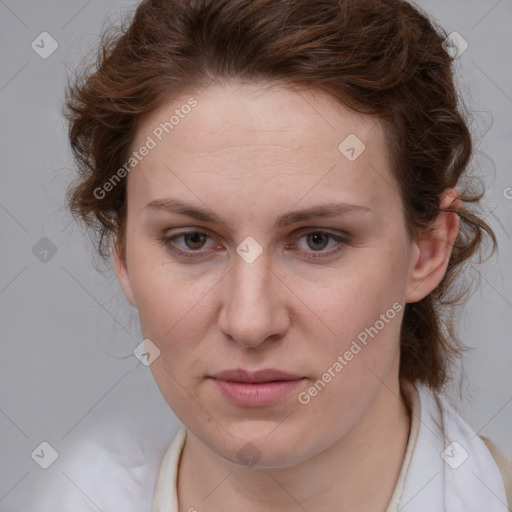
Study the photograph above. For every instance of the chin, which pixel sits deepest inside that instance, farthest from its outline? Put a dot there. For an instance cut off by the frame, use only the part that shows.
(254, 447)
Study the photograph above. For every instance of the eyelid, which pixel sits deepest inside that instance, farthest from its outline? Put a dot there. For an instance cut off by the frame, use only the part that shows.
(331, 232)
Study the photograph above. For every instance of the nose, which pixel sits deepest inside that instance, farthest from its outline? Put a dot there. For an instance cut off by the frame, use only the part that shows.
(254, 308)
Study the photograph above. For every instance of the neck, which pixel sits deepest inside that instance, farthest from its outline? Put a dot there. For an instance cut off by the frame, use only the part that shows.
(356, 473)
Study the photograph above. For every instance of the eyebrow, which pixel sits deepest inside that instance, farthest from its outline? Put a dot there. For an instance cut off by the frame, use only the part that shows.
(326, 210)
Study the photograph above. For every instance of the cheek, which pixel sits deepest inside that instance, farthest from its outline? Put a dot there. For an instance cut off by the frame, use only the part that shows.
(357, 293)
(164, 292)
(176, 312)
(173, 315)
(361, 315)
(167, 304)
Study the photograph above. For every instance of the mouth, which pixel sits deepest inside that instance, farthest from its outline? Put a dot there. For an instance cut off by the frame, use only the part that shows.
(255, 389)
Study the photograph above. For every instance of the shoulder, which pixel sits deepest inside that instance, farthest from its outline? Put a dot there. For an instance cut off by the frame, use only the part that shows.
(504, 462)
(119, 476)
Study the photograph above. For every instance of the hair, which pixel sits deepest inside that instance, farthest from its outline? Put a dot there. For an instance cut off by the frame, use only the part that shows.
(382, 58)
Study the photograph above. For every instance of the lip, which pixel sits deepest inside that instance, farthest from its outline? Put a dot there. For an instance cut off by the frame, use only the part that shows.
(255, 389)
(266, 375)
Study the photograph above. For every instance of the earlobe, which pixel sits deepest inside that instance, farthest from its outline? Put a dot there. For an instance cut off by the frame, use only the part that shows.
(433, 249)
(121, 270)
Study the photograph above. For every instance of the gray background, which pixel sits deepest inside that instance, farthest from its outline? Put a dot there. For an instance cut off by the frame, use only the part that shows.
(67, 372)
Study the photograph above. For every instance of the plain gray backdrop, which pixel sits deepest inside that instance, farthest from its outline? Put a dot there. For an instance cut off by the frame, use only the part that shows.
(67, 369)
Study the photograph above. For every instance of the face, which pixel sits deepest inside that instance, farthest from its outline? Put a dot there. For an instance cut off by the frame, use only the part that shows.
(227, 274)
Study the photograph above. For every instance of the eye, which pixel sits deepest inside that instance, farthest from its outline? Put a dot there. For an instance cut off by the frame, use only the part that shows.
(193, 241)
(194, 244)
(317, 241)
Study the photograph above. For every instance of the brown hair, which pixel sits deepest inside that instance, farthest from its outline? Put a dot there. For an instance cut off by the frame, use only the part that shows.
(382, 58)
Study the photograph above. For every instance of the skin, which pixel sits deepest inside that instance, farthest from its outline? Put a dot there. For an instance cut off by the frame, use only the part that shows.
(251, 153)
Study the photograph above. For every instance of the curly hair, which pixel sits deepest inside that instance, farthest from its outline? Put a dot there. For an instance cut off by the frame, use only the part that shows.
(383, 58)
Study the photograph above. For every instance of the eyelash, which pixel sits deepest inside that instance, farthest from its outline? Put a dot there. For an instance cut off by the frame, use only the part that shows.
(168, 241)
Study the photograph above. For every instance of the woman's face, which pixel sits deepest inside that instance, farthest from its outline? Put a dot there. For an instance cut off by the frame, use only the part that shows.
(257, 273)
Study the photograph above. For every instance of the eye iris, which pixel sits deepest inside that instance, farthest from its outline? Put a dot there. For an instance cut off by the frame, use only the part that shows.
(317, 238)
(195, 238)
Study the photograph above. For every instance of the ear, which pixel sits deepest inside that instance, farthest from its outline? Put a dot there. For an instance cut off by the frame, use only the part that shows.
(121, 270)
(432, 251)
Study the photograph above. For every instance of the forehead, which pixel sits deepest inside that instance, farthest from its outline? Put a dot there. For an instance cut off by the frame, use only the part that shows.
(250, 138)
